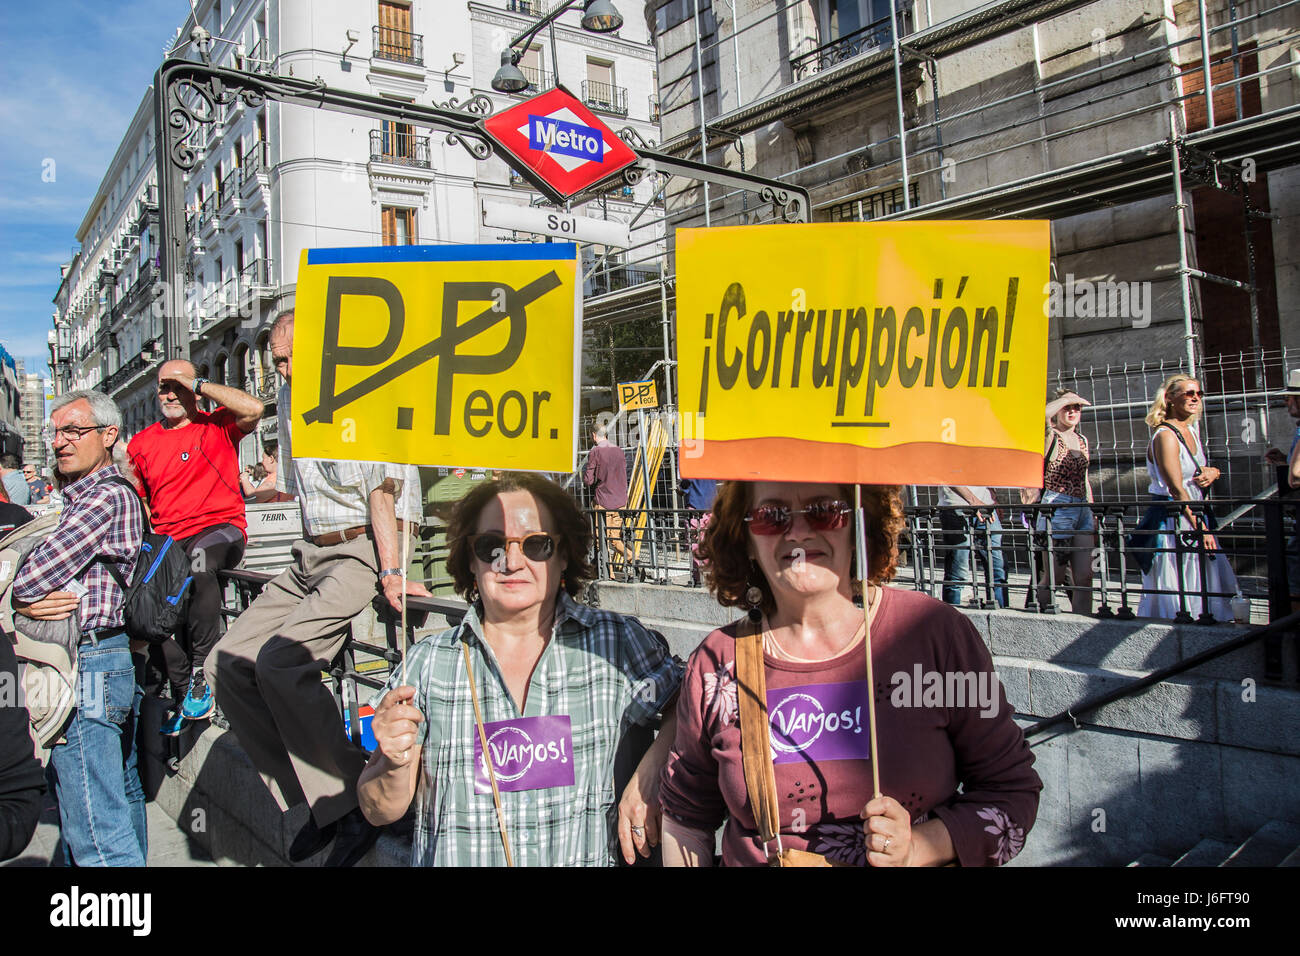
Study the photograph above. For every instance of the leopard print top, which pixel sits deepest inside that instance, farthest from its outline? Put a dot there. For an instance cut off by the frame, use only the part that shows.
(1066, 472)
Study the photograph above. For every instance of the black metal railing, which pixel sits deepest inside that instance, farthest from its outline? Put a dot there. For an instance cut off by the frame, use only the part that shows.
(124, 374)
(605, 96)
(229, 187)
(255, 274)
(255, 161)
(538, 79)
(399, 148)
(868, 38)
(208, 210)
(398, 45)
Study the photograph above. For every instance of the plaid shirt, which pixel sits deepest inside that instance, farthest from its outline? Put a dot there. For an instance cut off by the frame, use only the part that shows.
(335, 495)
(101, 518)
(603, 670)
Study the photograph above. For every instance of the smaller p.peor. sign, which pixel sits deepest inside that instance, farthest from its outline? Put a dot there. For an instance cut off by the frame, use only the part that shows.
(439, 355)
(635, 395)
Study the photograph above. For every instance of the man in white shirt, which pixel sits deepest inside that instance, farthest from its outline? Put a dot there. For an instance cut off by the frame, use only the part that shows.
(979, 512)
(266, 671)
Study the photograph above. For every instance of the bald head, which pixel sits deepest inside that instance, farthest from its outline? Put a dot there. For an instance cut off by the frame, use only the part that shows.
(174, 367)
(175, 391)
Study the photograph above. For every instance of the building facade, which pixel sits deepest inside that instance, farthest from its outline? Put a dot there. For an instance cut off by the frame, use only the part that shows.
(31, 418)
(274, 180)
(1069, 110)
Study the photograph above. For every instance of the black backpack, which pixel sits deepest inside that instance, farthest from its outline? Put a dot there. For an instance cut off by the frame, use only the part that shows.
(157, 597)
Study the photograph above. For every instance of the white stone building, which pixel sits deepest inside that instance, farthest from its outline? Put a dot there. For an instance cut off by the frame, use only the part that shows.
(272, 181)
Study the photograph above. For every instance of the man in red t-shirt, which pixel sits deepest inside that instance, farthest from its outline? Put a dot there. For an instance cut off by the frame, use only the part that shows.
(188, 467)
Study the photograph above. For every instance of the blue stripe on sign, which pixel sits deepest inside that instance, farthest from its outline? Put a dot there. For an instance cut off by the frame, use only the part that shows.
(449, 253)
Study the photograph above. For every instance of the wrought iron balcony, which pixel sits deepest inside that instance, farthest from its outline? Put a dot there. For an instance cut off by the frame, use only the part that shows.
(398, 45)
(866, 40)
(538, 79)
(255, 277)
(255, 161)
(654, 109)
(208, 211)
(605, 96)
(229, 187)
(399, 148)
(125, 374)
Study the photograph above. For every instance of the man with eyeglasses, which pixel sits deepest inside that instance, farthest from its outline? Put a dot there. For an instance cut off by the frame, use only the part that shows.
(266, 671)
(188, 466)
(101, 802)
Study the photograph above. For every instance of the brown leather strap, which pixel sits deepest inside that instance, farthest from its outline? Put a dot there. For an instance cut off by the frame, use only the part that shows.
(755, 738)
(331, 538)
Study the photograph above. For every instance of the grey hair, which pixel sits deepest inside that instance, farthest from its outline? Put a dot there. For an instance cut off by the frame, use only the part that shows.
(103, 411)
(600, 431)
(283, 323)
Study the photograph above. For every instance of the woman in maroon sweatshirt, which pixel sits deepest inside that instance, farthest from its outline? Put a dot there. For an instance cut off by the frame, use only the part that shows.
(785, 551)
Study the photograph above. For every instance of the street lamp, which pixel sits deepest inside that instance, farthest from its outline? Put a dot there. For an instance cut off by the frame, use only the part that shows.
(598, 16)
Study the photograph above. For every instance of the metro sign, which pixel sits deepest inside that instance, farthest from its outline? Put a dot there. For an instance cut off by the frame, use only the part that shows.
(558, 144)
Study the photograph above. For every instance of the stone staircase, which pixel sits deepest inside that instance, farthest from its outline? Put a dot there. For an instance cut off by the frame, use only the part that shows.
(1276, 843)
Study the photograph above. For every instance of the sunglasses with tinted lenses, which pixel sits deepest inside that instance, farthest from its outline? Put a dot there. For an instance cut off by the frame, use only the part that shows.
(1191, 393)
(489, 546)
(778, 519)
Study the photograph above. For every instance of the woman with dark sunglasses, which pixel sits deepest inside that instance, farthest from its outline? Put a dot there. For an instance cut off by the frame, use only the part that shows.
(545, 687)
(785, 552)
(1181, 476)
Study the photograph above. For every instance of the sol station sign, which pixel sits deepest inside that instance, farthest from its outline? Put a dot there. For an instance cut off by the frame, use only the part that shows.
(558, 143)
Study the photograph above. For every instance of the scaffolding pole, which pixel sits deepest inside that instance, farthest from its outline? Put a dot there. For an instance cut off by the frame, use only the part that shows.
(1205, 66)
(704, 133)
(1180, 213)
(898, 102)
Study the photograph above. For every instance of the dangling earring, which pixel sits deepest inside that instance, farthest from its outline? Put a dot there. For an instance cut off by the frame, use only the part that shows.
(472, 595)
(754, 598)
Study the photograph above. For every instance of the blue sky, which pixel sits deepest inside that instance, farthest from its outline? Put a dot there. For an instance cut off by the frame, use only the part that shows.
(74, 74)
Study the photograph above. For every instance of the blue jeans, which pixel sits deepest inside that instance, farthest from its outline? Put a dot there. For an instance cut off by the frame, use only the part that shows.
(956, 565)
(1066, 522)
(101, 801)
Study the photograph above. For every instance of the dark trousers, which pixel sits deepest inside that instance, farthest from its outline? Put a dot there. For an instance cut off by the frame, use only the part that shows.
(213, 549)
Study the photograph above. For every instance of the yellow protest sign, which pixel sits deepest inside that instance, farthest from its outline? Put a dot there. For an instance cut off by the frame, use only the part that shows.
(439, 355)
(911, 352)
(634, 395)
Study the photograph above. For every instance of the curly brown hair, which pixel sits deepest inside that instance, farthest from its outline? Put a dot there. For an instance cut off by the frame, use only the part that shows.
(729, 571)
(571, 528)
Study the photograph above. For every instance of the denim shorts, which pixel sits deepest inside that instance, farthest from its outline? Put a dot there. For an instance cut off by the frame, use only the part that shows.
(1066, 522)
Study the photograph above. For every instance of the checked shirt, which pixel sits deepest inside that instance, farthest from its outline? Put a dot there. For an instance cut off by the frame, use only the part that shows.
(101, 519)
(605, 671)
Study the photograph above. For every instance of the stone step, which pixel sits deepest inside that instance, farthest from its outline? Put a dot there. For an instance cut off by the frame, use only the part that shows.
(1152, 859)
(1267, 846)
(1206, 853)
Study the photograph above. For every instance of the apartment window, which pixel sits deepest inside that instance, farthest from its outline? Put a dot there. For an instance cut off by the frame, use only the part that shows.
(530, 64)
(871, 207)
(398, 226)
(394, 40)
(397, 142)
(239, 256)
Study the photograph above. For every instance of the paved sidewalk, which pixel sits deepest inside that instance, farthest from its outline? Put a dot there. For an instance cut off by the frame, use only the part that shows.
(169, 845)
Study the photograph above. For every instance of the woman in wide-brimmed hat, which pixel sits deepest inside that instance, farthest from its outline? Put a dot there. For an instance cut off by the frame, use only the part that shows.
(1065, 483)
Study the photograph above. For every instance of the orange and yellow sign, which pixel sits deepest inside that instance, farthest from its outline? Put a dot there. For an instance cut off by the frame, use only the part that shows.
(897, 353)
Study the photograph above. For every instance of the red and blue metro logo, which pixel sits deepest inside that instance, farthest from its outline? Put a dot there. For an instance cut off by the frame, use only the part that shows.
(558, 144)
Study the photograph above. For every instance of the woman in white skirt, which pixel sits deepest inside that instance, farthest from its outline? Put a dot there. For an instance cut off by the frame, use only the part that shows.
(1180, 476)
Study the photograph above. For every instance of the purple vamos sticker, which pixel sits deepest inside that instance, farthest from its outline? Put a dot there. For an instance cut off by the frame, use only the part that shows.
(819, 722)
(528, 753)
